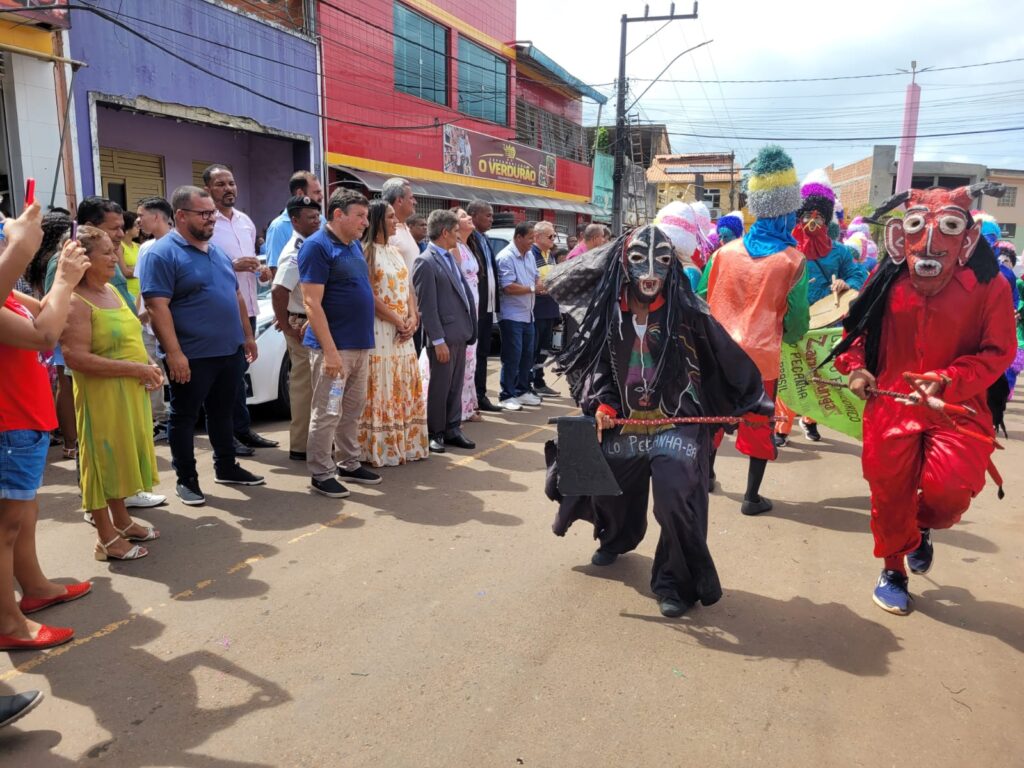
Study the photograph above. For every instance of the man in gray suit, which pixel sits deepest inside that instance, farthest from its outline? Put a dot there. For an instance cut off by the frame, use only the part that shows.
(449, 324)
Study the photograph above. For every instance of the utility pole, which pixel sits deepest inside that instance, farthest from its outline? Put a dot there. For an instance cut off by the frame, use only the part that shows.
(911, 107)
(619, 171)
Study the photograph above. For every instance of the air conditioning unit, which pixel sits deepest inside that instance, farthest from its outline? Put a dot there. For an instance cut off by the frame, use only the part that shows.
(715, 213)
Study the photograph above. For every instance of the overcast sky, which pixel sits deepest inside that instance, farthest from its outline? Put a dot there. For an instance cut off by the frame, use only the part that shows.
(757, 39)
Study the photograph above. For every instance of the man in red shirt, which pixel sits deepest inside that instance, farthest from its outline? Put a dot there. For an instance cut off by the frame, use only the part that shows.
(934, 308)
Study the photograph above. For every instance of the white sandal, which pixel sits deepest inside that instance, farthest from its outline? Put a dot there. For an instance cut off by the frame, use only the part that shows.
(103, 554)
(151, 533)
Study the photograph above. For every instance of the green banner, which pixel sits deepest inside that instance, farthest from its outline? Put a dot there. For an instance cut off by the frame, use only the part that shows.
(832, 407)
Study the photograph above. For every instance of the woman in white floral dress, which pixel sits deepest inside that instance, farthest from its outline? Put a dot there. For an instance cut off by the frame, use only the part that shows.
(393, 427)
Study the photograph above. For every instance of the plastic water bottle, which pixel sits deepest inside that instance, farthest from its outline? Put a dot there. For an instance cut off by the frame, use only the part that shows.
(334, 396)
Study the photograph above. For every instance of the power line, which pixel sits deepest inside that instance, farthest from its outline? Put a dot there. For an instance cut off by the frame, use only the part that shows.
(851, 138)
(837, 77)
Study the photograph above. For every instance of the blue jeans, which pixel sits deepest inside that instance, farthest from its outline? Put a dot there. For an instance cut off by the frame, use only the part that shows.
(516, 357)
(22, 461)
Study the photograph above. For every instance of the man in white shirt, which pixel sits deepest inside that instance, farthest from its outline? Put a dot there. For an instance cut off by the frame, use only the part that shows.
(286, 296)
(235, 234)
(398, 193)
(156, 219)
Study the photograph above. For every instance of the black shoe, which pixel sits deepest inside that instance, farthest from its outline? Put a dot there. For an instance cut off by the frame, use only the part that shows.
(17, 706)
(484, 404)
(763, 504)
(297, 455)
(159, 432)
(712, 482)
(601, 557)
(329, 487)
(544, 389)
(190, 493)
(359, 475)
(920, 560)
(437, 443)
(235, 475)
(672, 608)
(242, 449)
(253, 440)
(781, 441)
(456, 439)
(810, 430)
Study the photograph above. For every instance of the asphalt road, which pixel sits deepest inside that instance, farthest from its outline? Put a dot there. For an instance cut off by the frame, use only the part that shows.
(435, 621)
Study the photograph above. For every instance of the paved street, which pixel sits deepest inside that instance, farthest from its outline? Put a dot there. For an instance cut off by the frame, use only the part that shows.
(436, 621)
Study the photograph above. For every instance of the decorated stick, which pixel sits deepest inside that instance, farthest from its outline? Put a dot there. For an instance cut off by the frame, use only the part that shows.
(724, 420)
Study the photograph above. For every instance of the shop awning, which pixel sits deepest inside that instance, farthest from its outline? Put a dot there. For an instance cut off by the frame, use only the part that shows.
(373, 181)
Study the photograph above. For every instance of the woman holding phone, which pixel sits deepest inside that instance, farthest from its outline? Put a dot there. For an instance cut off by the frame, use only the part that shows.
(28, 327)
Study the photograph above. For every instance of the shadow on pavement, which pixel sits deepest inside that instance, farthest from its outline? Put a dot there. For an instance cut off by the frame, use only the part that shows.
(190, 549)
(958, 608)
(442, 498)
(758, 627)
(171, 705)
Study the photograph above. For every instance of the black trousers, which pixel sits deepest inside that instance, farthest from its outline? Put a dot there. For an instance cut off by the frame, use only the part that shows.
(543, 332)
(242, 421)
(674, 465)
(483, 350)
(214, 385)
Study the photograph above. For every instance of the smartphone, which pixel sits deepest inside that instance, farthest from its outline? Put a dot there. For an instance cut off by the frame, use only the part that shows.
(30, 192)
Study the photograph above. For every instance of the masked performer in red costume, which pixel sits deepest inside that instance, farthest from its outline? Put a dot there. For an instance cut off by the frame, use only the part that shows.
(935, 307)
(648, 349)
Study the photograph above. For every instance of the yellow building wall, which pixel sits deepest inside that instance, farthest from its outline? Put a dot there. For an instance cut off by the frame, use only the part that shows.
(685, 193)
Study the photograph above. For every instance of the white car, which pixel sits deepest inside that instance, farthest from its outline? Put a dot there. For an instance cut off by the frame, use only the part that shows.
(266, 381)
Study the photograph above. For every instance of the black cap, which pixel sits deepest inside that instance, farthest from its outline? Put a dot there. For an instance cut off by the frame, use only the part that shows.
(298, 202)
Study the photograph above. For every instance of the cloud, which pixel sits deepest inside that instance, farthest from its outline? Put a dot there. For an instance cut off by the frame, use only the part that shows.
(788, 39)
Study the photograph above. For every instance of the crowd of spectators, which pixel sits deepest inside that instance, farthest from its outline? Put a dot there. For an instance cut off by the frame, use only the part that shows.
(121, 329)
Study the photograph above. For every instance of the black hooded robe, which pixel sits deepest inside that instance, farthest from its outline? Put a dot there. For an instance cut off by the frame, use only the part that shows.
(712, 376)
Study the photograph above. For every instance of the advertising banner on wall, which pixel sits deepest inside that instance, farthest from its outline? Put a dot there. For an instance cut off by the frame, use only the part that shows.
(469, 153)
(46, 11)
(603, 185)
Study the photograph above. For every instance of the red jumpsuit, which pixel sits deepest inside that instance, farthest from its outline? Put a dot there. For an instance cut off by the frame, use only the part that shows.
(922, 473)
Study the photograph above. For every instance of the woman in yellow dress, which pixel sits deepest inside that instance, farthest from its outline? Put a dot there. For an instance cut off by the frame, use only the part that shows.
(393, 428)
(112, 376)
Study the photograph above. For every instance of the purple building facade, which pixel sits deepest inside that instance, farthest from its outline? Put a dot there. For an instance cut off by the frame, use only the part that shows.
(172, 87)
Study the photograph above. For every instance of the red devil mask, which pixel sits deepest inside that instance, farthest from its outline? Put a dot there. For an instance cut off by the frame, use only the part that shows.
(936, 234)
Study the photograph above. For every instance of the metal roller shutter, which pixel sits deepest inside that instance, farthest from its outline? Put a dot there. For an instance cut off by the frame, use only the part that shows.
(127, 177)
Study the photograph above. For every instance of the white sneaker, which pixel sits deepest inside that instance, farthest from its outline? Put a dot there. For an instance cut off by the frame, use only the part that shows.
(511, 404)
(144, 499)
(528, 398)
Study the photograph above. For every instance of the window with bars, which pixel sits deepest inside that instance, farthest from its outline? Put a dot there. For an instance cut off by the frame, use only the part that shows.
(542, 129)
(1009, 198)
(421, 51)
(483, 83)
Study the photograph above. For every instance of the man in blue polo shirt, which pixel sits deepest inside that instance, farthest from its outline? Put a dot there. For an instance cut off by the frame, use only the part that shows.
(203, 327)
(519, 281)
(280, 231)
(338, 298)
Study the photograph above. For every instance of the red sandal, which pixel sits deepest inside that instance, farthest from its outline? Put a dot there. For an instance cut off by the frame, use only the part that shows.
(47, 637)
(71, 592)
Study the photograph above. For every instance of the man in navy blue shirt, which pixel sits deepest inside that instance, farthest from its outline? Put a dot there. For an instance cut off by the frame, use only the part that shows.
(203, 327)
(338, 298)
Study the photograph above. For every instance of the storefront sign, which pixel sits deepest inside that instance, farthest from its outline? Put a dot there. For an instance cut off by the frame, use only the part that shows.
(469, 153)
(47, 11)
(603, 185)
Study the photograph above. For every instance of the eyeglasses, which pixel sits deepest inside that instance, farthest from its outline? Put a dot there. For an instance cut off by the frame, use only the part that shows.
(207, 215)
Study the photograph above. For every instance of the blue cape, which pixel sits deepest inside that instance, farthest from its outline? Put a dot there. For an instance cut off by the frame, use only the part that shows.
(768, 236)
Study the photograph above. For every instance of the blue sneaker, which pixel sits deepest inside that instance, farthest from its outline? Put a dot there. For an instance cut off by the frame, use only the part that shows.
(920, 560)
(891, 593)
